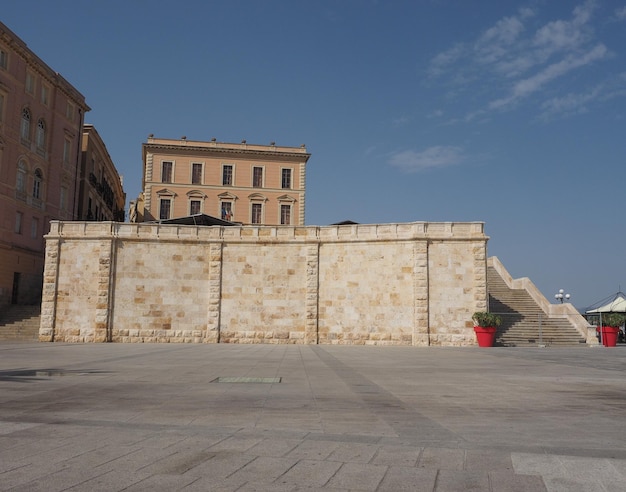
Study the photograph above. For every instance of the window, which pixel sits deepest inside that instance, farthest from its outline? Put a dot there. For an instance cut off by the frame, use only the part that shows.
(196, 173)
(257, 213)
(69, 111)
(1, 107)
(67, 151)
(37, 184)
(41, 135)
(25, 127)
(30, 83)
(257, 177)
(165, 208)
(34, 227)
(63, 199)
(285, 214)
(227, 211)
(166, 171)
(20, 182)
(286, 178)
(18, 222)
(4, 58)
(45, 95)
(227, 175)
(195, 207)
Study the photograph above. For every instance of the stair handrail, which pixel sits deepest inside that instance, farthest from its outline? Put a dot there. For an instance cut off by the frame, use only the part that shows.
(565, 310)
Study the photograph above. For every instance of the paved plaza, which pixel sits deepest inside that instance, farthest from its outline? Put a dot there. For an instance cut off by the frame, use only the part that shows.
(152, 417)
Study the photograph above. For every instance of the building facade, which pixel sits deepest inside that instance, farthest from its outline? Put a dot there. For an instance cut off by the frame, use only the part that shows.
(41, 117)
(244, 183)
(101, 194)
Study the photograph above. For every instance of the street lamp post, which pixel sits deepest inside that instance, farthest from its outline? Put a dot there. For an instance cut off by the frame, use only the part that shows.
(560, 296)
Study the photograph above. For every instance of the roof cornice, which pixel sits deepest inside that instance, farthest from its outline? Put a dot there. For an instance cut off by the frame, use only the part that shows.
(265, 153)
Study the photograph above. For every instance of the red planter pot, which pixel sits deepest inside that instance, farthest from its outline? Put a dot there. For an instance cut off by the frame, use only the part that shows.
(486, 335)
(609, 336)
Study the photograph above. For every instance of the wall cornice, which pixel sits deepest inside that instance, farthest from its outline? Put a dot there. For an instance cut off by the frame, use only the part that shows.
(433, 231)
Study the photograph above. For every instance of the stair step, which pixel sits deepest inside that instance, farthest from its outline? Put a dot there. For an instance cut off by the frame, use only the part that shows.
(20, 323)
(523, 318)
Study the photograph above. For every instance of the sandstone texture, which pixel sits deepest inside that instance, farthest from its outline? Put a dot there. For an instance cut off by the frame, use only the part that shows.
(380, 284)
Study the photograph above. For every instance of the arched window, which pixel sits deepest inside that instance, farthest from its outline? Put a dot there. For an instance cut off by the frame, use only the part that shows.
(25, 128)
(37, 184)
(41, 134)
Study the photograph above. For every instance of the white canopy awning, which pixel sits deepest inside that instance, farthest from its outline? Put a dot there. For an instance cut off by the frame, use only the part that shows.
(616, 305)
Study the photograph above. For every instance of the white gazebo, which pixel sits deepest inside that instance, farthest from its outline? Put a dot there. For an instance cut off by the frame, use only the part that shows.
(613, 304)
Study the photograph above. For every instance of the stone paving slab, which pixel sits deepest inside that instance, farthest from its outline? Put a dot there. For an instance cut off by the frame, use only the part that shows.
(148, 417)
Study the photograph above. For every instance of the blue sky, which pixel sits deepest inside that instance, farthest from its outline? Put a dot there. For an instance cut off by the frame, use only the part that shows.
(507, 112)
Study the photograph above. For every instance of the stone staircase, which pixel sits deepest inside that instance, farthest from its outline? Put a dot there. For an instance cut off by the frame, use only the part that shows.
(20, 323)
(524, 322)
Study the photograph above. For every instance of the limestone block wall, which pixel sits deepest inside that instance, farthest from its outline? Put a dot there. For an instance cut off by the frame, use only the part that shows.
(263, 293)
(65, 296)
(454, 290)
(164, 292)
(366, 292)
(403, 284)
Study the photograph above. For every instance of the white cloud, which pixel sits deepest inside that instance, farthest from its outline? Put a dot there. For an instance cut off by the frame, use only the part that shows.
(569, 104)
(443, 60)
(437, 113)
(532, 84)
(400, 121)
(411, 161)
(525, 13)
(565, 35)
(496, 41)
(577, 103)
(519, 56)
(621, 13)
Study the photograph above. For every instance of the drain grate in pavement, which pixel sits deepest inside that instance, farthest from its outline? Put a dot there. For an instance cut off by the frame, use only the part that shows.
(247, 380)
(30, 374)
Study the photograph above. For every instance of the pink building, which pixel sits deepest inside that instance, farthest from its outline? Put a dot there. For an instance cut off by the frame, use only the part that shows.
(101, 196)
(41, 119)
(237, 182)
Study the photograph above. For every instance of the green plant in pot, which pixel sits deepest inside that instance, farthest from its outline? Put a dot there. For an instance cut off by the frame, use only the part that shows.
(486, 319)
(614, 320)
(485, 326)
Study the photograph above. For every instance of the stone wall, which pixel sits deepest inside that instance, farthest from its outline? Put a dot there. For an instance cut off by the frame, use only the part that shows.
(404, 284)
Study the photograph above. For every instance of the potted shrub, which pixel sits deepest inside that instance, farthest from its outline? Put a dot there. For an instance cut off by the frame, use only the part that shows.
(610, 328)
(485, 326)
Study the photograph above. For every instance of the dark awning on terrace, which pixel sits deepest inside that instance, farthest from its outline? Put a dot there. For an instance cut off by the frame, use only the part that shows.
(198, 219)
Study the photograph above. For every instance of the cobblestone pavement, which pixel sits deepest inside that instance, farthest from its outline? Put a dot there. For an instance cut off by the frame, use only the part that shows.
(299, 417)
